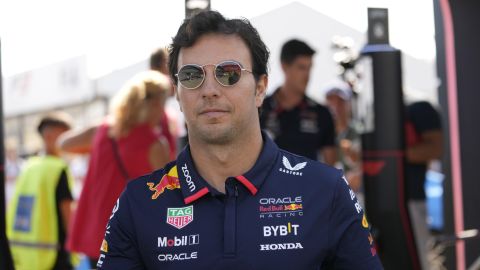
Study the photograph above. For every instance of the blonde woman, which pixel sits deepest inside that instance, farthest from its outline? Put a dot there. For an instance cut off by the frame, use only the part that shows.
(126, 145)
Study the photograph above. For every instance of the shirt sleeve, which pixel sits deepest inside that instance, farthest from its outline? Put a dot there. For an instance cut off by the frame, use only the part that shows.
(119, 249)
(62, 191)
(424, 117)
(350, 241)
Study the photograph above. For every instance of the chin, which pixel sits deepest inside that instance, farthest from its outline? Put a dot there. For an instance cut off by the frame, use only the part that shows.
(216, 135)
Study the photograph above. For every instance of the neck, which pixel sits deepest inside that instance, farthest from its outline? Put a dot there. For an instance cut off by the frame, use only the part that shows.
(215, 163)
(288, 97)
(341, 124)
(51, 151)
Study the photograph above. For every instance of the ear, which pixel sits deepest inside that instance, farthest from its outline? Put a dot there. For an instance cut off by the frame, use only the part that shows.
(261, 90)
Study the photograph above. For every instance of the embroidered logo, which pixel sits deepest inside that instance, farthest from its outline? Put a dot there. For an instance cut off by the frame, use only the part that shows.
(281, 246)
(169, 181)
(281, 207)
(281, 230)
(289, 169)
(188, 178)
(180, 217)
(364, 221)
(104, 246)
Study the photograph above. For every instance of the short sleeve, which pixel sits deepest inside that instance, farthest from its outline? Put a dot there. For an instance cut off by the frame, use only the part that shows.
(350, 240)
(62, 191)
(424, 117)
(119, 249)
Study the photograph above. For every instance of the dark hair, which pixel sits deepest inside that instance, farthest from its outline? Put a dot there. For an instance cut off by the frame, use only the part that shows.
(158, 59)
(294, 48)
(207, 22)
(54, 119)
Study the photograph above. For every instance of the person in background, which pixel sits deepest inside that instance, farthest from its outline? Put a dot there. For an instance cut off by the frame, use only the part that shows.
(348, 140)
(233, 199)
(158, 61)
(424, 143)
(39, 213)
(295, 122)
(127, 144)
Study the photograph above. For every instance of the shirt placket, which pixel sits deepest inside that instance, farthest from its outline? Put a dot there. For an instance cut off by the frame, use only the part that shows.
(230, 222)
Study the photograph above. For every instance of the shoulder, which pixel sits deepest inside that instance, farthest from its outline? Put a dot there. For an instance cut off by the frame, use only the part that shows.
(48, 162)
(423, 116)
(142, 180)
(316, 106)
(268, 102)
(312, 173)
(154, 184)
(420, 107)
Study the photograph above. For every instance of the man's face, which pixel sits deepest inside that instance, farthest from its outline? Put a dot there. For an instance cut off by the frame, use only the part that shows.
(50, 135)
(297, 73)
(217, 114)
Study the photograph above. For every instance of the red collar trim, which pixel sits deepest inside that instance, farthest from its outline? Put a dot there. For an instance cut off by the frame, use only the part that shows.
(196, 196)
(247, 184)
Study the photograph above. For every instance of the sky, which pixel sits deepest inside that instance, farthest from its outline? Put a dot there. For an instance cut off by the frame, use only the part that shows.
(117, 33)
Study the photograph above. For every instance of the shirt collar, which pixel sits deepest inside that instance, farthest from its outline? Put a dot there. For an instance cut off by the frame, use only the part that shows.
(193, 186)
(279, 109)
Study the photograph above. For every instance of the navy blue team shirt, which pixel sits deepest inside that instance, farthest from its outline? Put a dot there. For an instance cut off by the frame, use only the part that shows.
(287, 212)
(303, 130)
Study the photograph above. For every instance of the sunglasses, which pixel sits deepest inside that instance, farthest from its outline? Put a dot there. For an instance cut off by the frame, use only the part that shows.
(227, 73)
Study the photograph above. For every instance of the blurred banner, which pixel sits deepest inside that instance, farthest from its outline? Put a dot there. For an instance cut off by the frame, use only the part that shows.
(57, 85)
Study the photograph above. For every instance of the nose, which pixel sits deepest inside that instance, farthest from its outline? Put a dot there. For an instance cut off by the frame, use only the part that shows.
(210, 87)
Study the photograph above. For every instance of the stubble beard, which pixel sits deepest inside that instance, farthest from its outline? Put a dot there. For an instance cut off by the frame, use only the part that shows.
(214, 135)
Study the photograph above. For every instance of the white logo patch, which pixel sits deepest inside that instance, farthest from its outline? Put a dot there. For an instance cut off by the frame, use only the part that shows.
(280, 230)
(358, 207)
(186, 240)
(177, 257)
(188, 178)
(283, 246)
(289, 169)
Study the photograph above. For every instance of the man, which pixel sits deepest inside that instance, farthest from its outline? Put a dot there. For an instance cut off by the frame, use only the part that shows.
(347, 138)
(39, 212)
(159, 60)
(233, 199)
(424, 144)
(297, 123)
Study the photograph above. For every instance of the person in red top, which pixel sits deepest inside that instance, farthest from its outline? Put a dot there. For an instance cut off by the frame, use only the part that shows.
(126, 145)
(158, 61)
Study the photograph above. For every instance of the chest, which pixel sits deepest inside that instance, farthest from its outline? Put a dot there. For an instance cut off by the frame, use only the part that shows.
(244, 232)
(304, 123)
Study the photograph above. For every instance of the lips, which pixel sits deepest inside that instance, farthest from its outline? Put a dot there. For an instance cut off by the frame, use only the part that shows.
(213, 112)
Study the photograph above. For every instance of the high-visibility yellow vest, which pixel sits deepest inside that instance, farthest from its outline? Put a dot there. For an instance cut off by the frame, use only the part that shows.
(32, 219)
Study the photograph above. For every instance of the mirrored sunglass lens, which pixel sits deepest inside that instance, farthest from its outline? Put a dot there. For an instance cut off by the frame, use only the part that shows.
(190, 76)
(228, 73)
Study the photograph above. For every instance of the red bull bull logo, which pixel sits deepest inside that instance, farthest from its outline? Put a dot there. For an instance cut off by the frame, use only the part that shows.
(293, 206)
(169, 181)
